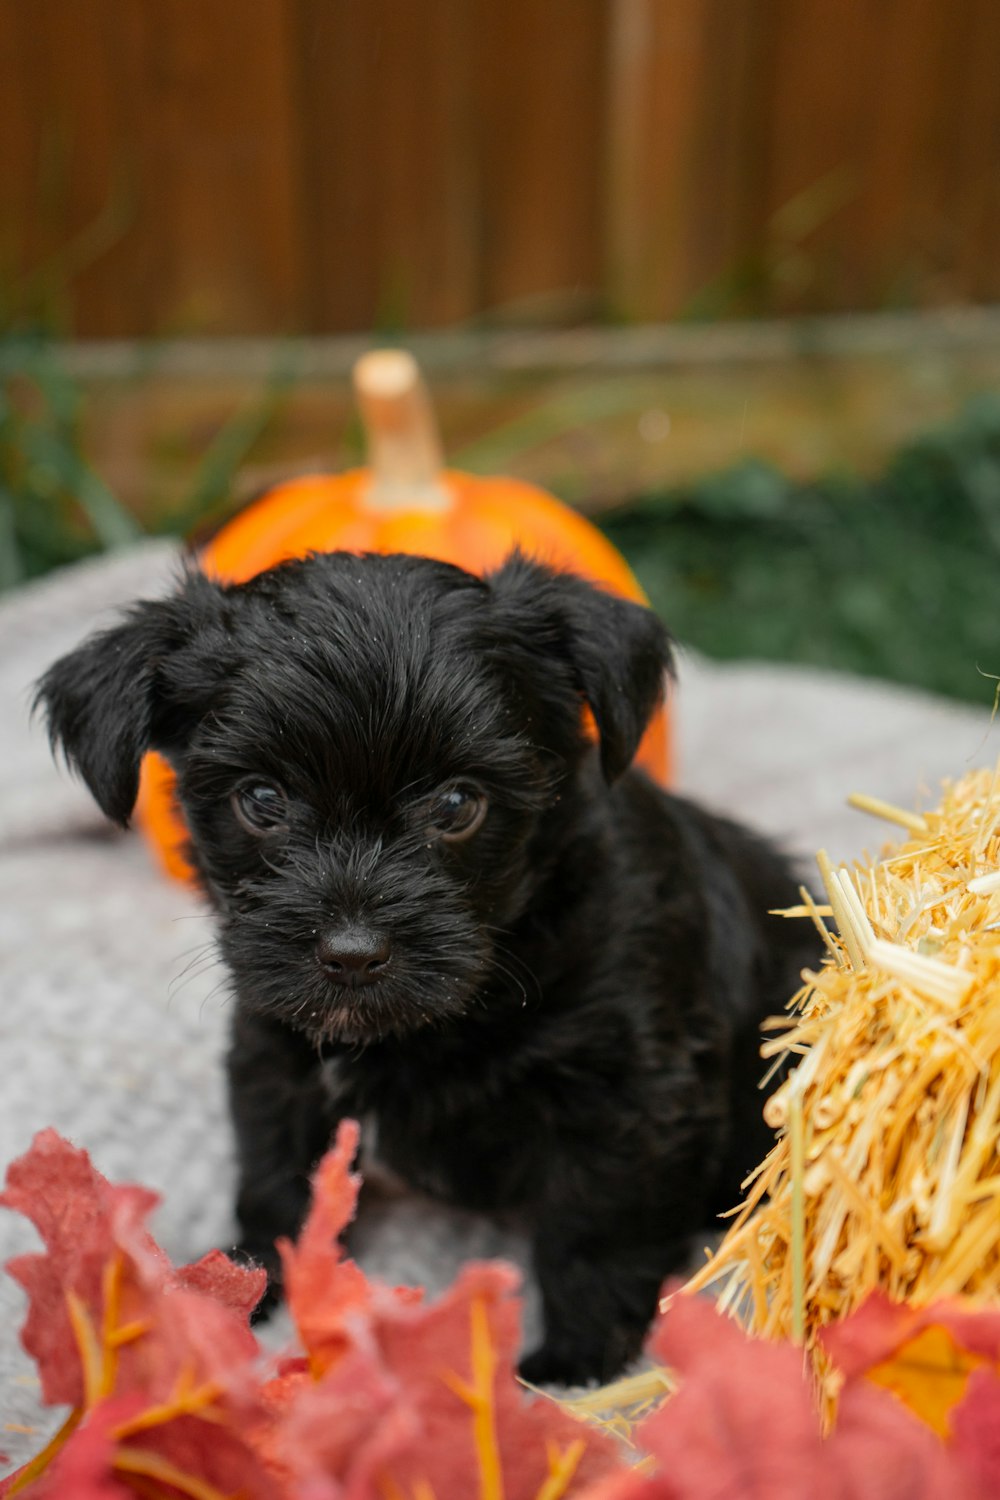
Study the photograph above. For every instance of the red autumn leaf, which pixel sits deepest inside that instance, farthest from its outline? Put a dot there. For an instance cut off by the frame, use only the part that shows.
(209, 1456)
(879, 1327)
(409, 1394)
(322, 1288)
(327, 1293)
(81, 1218)
(477, 1430)
(343, 1431)
(743, 1425)
(721, 1433)
(880, 1451)
(107, 1311)
(425, 1402)
(976, 1432)
(216, 1276)
(924, 1355)
(276, 1397)
(189, 1344)
(110, 1319)
(114, 1454)
(82, 1468)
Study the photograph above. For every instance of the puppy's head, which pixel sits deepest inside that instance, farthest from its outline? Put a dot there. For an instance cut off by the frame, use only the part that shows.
(377, 759)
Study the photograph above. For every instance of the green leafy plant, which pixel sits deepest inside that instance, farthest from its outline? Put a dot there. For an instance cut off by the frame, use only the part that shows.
(54, 508)
(896, 577)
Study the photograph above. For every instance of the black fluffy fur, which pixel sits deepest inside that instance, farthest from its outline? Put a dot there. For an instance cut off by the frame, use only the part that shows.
(568, 1023)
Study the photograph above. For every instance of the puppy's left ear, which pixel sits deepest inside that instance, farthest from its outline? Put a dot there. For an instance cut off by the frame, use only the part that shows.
(619, 653)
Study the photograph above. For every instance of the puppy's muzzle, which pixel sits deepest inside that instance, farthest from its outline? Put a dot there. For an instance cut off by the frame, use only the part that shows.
(353, 955)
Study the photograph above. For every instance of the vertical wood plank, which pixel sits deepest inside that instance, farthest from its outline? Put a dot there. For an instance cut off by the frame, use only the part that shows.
(58, 124)
(824, 64)
(864, 160)
(684, 153)
(800, 155)
(174, 125)
(971, 167)
(333, 164)
(658, 60)
(897, 228)
(542, 110)
(215, 120)
(386, 121)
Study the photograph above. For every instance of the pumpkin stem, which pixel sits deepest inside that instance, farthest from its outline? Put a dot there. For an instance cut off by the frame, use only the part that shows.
(404, 449)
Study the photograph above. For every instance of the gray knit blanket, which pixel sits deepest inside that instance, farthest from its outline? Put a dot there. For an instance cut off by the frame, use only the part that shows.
(114, 1007)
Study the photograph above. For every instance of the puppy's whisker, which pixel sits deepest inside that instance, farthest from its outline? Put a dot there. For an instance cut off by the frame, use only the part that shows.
(515, 968)
(508, 973)
(190, 974)
(198, 948)
(195, 956)
(223, 984)
(175, 990)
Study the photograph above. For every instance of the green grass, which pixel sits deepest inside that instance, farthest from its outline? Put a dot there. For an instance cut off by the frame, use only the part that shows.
(899, 578)
(54, 508)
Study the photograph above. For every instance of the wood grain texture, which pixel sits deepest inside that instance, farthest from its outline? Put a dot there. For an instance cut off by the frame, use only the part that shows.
(386, 120)
(542, 83)
(803, 155)
(685, 152)
(336, 165)
(173, 203)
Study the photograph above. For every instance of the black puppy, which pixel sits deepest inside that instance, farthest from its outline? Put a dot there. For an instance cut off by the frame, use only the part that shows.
(447, 910)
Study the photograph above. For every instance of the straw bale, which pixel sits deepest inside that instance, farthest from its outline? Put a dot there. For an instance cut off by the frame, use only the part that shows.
(886, 1171)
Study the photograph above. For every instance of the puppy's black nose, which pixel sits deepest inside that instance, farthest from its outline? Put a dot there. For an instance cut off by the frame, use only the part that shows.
(353, 955)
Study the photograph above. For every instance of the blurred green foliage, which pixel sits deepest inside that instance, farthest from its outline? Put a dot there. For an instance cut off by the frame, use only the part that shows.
(53, 507)
(896, 578)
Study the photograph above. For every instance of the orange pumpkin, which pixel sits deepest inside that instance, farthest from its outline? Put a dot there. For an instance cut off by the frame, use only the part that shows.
(403, 502)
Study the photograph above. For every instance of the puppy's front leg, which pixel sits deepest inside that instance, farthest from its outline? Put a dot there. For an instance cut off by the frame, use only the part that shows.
(283, 1125)
(599, 1296)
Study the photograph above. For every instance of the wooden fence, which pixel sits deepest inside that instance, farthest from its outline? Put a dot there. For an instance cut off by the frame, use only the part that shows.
(280, 166)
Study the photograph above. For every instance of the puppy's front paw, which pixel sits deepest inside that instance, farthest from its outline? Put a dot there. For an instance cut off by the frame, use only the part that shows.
(595, 1357)
(263, 1257)
(551, 1364)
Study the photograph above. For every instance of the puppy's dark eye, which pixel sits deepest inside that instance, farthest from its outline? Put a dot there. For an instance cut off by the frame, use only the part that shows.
(260, 806)
(456, 812)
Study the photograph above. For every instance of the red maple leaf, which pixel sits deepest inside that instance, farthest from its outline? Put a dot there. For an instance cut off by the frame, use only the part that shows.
(342, 1431)
(976, 1431)
(323, 1289)
(216, 1276)
(82, 1466)
(115, 1453)
(743, 1425)
(941, 1362)
(926, 1355)
(109, 1319)
(103, 1286)
(425, 1403)
(407, 1395)
(82, 1220)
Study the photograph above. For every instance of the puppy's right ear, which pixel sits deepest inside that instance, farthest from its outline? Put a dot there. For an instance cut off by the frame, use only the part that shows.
(616, 651)
(107, 703)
